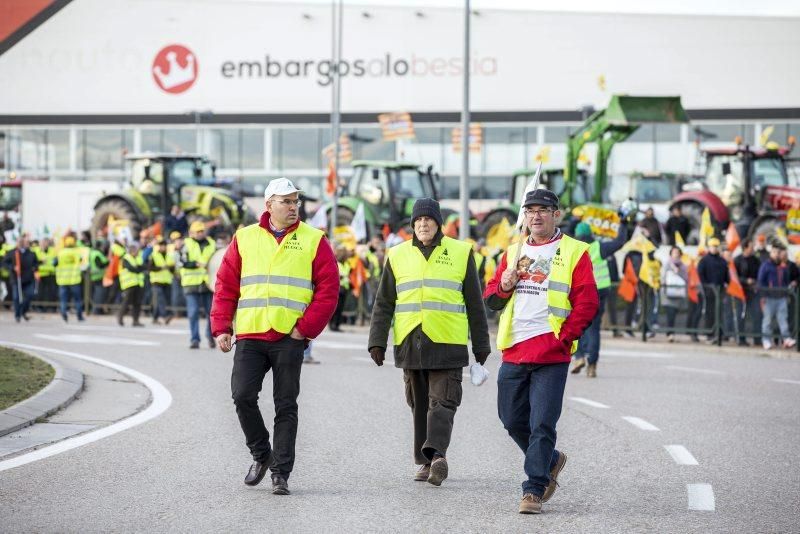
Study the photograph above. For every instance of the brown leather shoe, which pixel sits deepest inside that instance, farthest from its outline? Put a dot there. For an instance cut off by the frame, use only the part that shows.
(438, 471)
(530, 504)
(579, 364)
(423, 473)
(551, 487)
(591, 371)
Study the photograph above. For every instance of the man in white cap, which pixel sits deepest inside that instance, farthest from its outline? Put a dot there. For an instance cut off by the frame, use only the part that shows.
(280, 278)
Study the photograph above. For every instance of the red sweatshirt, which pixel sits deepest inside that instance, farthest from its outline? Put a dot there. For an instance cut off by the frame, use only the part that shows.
(324, 276)
(546, 348)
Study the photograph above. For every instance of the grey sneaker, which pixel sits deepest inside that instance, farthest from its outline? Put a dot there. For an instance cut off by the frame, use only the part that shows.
(438, 471)
(551, 487)
(423, 473)
(530, 504)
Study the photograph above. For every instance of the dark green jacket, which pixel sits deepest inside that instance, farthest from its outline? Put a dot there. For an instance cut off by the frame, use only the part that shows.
(417, 351)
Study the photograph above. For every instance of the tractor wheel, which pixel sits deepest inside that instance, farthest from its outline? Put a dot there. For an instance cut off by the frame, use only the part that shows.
(119, 209)
(694, 212)
(766, 226)
(495, 218)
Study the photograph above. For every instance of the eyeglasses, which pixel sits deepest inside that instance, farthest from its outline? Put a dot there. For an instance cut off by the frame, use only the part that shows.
(542, 212)
(288, 202)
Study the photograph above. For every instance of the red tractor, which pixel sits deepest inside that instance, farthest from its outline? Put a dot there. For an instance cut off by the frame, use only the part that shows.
(744, 185)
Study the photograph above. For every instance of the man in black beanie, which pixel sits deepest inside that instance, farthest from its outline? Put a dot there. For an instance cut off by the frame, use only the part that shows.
(430, 288)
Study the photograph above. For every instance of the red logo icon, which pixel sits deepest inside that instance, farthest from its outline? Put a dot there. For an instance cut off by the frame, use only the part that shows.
(175, 68)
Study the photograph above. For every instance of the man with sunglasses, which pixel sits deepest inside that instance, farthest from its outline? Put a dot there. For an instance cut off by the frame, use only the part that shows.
(280, 278)
(548, 297)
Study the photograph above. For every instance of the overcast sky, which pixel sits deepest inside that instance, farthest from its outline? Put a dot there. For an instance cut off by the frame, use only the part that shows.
(775, 8)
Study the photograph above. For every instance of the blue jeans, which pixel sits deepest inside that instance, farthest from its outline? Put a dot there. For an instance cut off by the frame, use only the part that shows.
(779, 309)
(73, 292)
(589, 345)
(529, 401)
(161, 292)
(21, 306)
(193, 303)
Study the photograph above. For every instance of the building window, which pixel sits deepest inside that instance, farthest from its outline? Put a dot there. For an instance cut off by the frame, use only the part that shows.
(104, 149)
(296, 148)
(373, 146)
(556, 134)
(3, 145)
(252, 148)
(179, 141)
(645, 133)
(668, 133)
(223, 146)
(726, 133)
(40, 150)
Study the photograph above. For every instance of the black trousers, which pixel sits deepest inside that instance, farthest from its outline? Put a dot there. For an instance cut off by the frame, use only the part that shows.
(131, 298)
(433, 395)
(336, 320)
(251, 362)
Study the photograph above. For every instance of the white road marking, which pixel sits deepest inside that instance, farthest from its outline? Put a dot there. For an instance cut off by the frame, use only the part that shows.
(694, 370)
(641, 423)
(786, 381)
(681, 455)
(633, 354)
(126, 330)
(97, 340)
(161, 400)
(701, 497)
(589, 402)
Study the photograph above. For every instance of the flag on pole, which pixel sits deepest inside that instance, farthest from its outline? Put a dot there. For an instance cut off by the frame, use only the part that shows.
(706, 231)
(533, 184)
(732, 237)
(330, 179)
(627, 287)
(693, 284)
(475, 138)
(650, 271)
(359, 223)
(320, 219)
(679, 240)
(735, 288)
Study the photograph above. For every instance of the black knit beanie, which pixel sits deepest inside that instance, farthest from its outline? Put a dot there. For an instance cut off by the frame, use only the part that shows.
(426, 207)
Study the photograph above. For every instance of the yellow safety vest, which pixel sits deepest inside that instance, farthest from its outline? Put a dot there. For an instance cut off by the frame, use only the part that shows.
(275, 285)
(198, 275)
(564, 262)
(68, 270)
(162, 262)
(602, 277)
(46, 257)
(128, 278)
(4, 273)
(344, 274)
(429, 292)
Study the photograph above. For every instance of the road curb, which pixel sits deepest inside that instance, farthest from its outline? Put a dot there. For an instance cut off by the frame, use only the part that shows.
(60, 392)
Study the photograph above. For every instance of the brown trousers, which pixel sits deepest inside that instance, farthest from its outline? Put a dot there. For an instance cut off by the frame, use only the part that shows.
(433, 395)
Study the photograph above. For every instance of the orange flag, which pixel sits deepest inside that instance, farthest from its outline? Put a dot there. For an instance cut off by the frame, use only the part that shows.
(694, 284)
(111, 271)
(357, 276)
(405, 235)
(627, 287)
(330, 180)
(735, 288)
(732, 237)
(450, 228)
(386, 231)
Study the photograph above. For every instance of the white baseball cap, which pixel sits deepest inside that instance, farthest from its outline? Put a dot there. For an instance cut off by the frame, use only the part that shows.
(280, 186)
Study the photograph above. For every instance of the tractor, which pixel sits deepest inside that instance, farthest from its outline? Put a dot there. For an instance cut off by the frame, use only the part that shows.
(749, 187)
(607, 127)
(159, 181)
(387, 190)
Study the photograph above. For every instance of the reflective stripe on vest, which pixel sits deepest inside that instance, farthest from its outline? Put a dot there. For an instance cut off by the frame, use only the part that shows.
(600, 266)
(275, 285)
(68, 270)
(430, 292)
(197, 275)
(564, 262)
(129, 278)
(161, 262)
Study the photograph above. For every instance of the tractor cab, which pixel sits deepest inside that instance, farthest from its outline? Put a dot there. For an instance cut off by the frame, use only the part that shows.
(10, 195)
(388, 190)
(164, 180)
(552, 179)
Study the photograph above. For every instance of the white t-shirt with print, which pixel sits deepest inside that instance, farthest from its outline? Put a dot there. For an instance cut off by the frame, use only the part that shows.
(530, 305)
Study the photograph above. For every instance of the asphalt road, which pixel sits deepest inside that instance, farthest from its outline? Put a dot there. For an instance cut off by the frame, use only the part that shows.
(677, 439)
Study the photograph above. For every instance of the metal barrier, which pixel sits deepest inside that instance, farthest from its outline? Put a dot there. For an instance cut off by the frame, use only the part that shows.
(716, 315)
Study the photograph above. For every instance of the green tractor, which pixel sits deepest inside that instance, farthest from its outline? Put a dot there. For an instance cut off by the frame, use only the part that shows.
(158, 182)
(607, 127)
(387, 190)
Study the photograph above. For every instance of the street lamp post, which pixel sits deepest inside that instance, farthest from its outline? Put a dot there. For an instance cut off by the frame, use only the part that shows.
(463, 232)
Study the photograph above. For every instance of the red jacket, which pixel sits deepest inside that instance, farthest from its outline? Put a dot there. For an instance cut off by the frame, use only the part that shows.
(546, 348)
(324, 276)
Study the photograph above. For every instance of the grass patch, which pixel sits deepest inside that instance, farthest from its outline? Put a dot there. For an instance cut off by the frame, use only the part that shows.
(21, 376)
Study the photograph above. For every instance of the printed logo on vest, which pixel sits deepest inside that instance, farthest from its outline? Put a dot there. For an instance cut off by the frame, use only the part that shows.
(444, 259)
(292, 243)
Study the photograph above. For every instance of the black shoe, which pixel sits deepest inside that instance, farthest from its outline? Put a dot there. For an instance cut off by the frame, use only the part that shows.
(257, 471)
(279, 485)
(212, 344)
(65, 317)
(119, 321)
(137, 323)
(168, 319)
(25, 316)
(195, 345)
(18, 319)
(744, 343)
